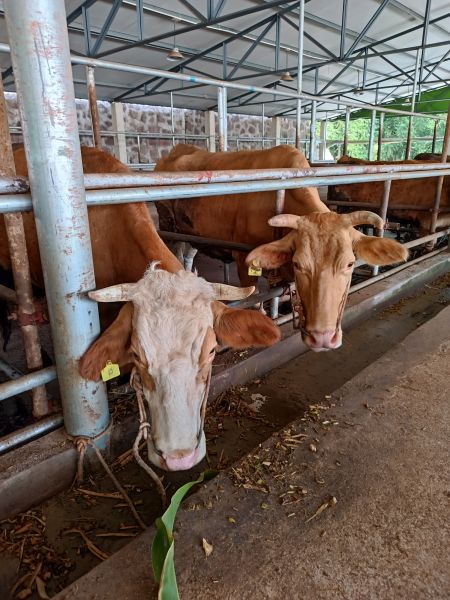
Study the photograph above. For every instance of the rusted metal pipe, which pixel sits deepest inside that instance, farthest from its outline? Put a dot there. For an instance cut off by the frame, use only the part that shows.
(433, 143)
(93, 107)
(21, 269)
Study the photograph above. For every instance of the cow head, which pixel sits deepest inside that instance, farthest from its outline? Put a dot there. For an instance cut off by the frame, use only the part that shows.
(169, 330)
(323, 248)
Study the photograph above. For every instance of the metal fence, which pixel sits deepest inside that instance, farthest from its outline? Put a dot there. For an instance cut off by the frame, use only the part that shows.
(41, 61)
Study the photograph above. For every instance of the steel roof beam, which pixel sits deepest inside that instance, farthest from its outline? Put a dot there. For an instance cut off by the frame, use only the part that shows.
(194, 11)
(368, 25)
(252, 47)
(343, 28)
(194, 27)
(106, 26)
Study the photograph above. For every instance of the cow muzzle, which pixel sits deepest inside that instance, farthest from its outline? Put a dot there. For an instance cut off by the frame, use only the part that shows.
(179, 460)
(319, 341)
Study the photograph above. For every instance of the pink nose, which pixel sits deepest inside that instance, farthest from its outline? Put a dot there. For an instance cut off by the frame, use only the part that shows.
(180, 461)
(322, 340)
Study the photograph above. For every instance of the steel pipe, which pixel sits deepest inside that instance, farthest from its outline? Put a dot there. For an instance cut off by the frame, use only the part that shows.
(298, 110)
(26, 434)
(144, 179)
(222, 118)
(204, 241)
(15, 234)
(383, 214)
(22, 202)
(373, 117)
(380, 134)
(27, 382)
(43, 75)
(93, 107)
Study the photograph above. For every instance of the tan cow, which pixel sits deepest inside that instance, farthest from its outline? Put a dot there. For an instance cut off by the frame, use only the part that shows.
(322, 246)
(411, 192)
(170, 325)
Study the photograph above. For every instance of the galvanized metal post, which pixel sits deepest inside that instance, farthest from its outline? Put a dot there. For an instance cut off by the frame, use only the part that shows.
(222, 118)
(440, 181)
(277, 234)
(312, 132)
(41, 60)
(380, 134)
(373, 117)
(346, 125)
(262, 126)
(211, 130)
(172, 121)
(383, 213)
(93, 107)
(118, 124)
(298, 119)
(21, 269)
(413, 104)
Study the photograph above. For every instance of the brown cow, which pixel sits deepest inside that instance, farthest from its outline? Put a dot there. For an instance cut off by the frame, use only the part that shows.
(322, 247)
(416, 192)
(169, 327)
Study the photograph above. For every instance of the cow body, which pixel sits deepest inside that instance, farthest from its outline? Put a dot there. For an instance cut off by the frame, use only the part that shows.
(238, 217)
(124, 239)
(415, 192)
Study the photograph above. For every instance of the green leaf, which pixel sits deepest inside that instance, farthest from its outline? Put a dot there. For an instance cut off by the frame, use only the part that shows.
(163, 544)
(168, 589)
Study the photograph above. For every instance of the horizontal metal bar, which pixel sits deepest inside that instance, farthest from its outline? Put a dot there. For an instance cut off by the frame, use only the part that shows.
(22, 202)
(27, 382)
(204, 241)
(357, 204)
(26, 434)
(125, 180)
(116, 66)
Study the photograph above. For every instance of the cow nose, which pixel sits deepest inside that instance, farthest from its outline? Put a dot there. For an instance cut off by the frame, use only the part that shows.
(323, 340)
(180, 460)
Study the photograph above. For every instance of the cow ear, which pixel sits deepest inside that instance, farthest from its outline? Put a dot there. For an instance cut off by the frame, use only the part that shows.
(275, 254)
(240, 328)
(113, 344)
(379, 251)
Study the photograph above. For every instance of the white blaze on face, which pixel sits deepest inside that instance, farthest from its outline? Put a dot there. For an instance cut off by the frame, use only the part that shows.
(173, 341)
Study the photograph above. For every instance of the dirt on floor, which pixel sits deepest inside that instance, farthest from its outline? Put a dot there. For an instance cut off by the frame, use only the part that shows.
(43, 550)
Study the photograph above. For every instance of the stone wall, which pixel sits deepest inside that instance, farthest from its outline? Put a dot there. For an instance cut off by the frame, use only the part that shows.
(149, 128)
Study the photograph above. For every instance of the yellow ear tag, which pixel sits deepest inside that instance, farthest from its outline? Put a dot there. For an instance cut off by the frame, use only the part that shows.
(254, 270)
(110, 370)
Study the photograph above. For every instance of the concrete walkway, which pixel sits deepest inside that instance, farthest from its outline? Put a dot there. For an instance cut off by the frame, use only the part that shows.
(352, 502)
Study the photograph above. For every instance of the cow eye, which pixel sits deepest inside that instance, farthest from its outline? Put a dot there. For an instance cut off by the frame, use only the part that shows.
(350, 264)
(296, 265)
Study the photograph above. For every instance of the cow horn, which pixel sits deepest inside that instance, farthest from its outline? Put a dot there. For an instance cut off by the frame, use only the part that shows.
(285, 221)
(363, 217)
(230, 292)
(115, 293)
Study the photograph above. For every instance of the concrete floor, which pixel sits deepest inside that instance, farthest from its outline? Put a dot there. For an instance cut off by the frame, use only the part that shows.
(379, 446)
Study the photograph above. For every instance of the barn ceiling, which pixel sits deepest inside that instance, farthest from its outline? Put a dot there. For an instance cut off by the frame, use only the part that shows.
(348, 44)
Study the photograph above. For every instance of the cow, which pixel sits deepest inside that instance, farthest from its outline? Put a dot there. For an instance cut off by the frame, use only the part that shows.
(321, 247)
(411, 192)
(170, 325)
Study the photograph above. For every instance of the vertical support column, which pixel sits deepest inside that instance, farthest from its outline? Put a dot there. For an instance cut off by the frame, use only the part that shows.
(413, 105)
(323, 139)
(346, 125)
(172, 121)
(298, 119)
(21, 269)
(433, 143)
(223, 119)
(373, 117)
(118, 123)
(41, 61)
(93, 107)
(211, 130)
(440, 181)
(383, 214)
(262, 126)
(275, 130)
(312, 132)
(380, 134)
